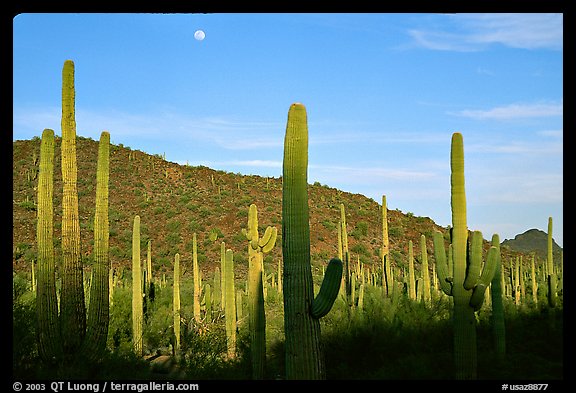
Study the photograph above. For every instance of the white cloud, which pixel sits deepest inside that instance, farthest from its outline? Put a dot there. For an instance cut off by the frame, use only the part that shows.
(473, 32)
(514, 111)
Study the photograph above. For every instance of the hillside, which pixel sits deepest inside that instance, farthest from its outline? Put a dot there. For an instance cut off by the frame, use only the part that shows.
(533, 240)
(174, 201)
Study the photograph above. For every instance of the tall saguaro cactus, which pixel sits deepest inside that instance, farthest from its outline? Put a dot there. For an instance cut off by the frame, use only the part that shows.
(48, 328)
(426, 295)
(72, 307)
(387, 280)
(137, 311)
(257, 246)
(230, 304)
(98, 312)
(197, 286)
(498, 320)
(304, 357)
(176, 303)
(464, 281)
(550, 266)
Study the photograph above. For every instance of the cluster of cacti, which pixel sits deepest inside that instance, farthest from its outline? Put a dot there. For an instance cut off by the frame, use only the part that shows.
(461, 272)
(257, 247)
(304, 357)
(62, 325)
(466, 281)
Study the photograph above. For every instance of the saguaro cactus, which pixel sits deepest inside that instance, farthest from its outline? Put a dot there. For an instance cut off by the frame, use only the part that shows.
(72, 307)
(176, 303)
(550, 265)
(387, 280)
(426, 296)
(98, 312)
(230, 304)
(498, 321)
(48, 328)
(464, 281)
(256, 317)
(304, 357)
(411, 274)
(137, 310)
(197, 286)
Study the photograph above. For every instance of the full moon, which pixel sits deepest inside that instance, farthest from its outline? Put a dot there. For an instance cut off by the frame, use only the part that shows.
(199, 35)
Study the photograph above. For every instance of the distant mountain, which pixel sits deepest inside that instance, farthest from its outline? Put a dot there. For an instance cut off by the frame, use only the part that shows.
(532, 240)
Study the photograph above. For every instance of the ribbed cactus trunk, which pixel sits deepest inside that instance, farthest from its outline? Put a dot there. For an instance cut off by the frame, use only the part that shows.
(137, 306)
(304, 357)
(256, 316)
(176, 303)
(464, 319)
(411, 273)
(387, 281)
(426, 295)
(346, 255)
(498, 320)
(230, 304)
(48, 326)
(72, 307)
(197, 287)
(98, 312)
(222, 274)
(550, 265)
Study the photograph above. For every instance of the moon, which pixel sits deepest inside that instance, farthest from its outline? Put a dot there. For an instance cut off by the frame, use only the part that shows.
(199, 35)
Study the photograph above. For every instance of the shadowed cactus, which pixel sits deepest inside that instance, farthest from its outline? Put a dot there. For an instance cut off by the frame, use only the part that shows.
(459, 276)
(137, 306)
(304, 357)
(98, 311)
(72, 307)
(48, 327)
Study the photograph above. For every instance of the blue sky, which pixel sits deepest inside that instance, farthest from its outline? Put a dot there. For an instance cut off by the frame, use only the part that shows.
(383, 92)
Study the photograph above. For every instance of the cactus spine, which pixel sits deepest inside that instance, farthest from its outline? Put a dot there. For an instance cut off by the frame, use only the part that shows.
(304, 357)
(256, 317)
(49, 343)
(98, 312)
(137, 306)
(72, 307)
(176, 303)
(465, 284)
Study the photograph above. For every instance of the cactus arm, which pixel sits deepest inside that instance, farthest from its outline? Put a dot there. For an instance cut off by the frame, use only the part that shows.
(267, 247)
(479, 290)
(324, 301)
(444, 276)
(473, 270)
